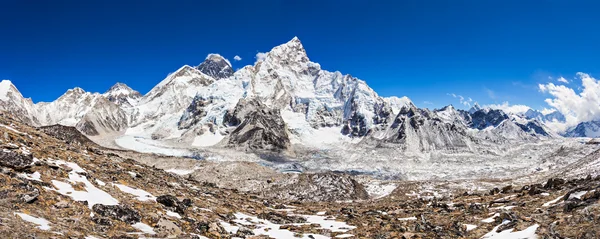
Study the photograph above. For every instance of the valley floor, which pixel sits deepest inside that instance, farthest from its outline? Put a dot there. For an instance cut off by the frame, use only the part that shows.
(55, 187)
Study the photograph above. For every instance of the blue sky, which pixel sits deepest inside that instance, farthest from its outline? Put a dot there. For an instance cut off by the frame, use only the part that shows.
(489, 51)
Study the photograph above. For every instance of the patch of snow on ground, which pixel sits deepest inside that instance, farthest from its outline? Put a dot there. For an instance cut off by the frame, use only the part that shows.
(344, 236)
(528, 233)
(264, 227)
(552, 202)
(100, 182)
(470, 226)
(12, 129)
(407, 219)
(334, 226)
(491, 219)
(378, 190)
(231, 229)
(144, 228)
(321, 213)
(139, 193)
(577, 195)
(92, 194)
(503, 208)
(36, 176)
(173, 214)
(207, 139)
(43, 224)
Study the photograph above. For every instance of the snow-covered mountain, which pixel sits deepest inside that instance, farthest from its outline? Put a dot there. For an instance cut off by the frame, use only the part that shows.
(91, 113)
(585, 129)
(216, 67)
(196, 106)
(13, 102)
(536, 114)
(122, 95)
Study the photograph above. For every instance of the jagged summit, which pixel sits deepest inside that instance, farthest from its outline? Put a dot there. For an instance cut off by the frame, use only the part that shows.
(475, 108)
(216, 66)
(290, 52)
(122, 95)
(6, 87)
(76, 90)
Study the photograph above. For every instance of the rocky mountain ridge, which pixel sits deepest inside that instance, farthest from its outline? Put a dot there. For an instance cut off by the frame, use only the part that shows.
(191, 105)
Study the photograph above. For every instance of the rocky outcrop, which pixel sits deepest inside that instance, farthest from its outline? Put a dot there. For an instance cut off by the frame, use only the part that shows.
(104, 117)
(319, 187)
(14, 160)
(194, 113)
(66, 133)
(419, 130)
(118, 212)
(260, 127)
(482, 119)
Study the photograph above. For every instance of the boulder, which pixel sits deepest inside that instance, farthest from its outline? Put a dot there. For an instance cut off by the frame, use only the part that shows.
(118, 212)
(14, 160)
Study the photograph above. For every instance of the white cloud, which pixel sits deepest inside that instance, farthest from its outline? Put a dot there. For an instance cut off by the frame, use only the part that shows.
(462, 100)
(563, 80)
(508, 108)
(576, 108)
(546, 111)
(237, 58)
(427, 103)
(260, 56)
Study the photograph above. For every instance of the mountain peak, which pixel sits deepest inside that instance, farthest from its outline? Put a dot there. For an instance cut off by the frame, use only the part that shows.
(216, 58)
(291, 51)
(474, 108)
(5, 87)
(216, 66)
(76, 90)
(121, 89)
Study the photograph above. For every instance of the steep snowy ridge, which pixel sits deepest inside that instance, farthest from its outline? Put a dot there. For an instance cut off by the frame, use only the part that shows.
(13, 102)
(192, 105)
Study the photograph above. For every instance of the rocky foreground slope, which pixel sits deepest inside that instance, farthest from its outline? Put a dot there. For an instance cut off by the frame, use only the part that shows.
(60, 187)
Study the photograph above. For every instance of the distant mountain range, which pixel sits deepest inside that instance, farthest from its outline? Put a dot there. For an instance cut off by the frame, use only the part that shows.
(273, 105)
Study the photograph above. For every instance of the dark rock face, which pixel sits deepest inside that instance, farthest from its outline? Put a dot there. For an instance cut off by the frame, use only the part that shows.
(356, 124)
(66, 133)
(261, 128)
(421, 129)
(118, 212)
(15, 160)
(554, 183)
(216, 66)
(172, 202)
(194, 113)
(482, 119)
